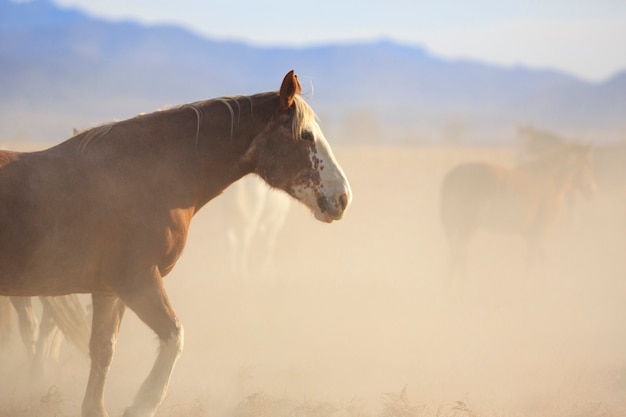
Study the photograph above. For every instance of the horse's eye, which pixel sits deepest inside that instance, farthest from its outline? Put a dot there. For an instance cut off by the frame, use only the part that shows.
(306, 135)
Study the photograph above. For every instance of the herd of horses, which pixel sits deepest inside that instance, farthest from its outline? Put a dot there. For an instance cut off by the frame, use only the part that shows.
(107, 212)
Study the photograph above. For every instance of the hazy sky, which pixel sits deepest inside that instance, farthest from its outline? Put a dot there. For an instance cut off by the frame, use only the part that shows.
(584, 37)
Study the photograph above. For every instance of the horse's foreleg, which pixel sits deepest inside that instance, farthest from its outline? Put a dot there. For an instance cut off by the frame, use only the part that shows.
(29, 326)
(153, 307)
(246, 250)
(234, 249)
(107, 315)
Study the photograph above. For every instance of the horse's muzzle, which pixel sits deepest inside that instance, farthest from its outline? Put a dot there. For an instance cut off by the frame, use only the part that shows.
(332, 208)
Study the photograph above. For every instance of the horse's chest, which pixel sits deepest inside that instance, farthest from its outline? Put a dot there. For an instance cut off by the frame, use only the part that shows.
(173, 242)
(173, 250)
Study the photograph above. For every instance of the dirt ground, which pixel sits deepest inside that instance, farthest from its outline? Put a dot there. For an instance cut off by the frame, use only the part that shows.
(357, 310)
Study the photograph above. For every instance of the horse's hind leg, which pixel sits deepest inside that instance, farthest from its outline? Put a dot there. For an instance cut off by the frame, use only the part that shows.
(29, 326)
(107, 315)
(5, 320)
(152, 306)
(47, 333)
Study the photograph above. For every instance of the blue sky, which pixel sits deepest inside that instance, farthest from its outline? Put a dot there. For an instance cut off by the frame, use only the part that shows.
(583, 37)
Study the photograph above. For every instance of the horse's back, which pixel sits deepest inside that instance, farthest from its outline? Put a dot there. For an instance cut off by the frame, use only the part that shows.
(490, 196)
(474, 177)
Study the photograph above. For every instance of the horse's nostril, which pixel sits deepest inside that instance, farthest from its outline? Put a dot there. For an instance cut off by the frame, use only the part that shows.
(343, 201)
(322, 203)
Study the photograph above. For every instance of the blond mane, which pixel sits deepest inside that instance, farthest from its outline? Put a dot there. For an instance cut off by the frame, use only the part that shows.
(304, 115)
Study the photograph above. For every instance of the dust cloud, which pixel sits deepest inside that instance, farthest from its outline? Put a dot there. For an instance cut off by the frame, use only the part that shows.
(357, 310)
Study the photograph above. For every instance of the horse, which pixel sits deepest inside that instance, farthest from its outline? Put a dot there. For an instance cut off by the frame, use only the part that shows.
(108, 211)
(609, 159)
(60, 316)
(525, 200)
(252, 216)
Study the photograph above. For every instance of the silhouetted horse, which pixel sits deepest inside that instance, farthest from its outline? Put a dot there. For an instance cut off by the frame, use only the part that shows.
(526, 200)
(107, 212)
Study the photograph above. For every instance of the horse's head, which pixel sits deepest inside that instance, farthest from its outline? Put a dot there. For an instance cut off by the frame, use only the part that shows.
(293, 155)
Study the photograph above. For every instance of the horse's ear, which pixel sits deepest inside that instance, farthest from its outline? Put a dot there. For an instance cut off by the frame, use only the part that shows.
(289, 88)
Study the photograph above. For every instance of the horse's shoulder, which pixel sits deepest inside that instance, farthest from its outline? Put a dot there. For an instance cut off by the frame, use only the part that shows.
(479, 171)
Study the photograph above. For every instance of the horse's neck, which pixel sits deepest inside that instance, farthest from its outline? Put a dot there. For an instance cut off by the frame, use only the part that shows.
(223, 151)
(193, 151)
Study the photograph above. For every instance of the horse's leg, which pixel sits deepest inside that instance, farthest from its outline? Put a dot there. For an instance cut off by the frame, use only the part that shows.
(246, 248)
(108, 311)
(47, 330)
(234, 252)
(152, 306)
(5, 320)
(27, 322)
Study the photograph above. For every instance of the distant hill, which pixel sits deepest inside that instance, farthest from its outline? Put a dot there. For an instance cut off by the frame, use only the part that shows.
(60, 69)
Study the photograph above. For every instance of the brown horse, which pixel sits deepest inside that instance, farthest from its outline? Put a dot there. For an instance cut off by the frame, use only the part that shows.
(107, 212)
(526, 200)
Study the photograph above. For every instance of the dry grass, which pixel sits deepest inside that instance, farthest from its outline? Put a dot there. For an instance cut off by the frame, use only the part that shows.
(54, 404)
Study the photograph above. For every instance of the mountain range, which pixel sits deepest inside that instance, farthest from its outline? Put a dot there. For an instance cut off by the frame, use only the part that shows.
(61, 68)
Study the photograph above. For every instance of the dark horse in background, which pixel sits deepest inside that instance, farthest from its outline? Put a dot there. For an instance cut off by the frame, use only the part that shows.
(107, 212)
(526, 200)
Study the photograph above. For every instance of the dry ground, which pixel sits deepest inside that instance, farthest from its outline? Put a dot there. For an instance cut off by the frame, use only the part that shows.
(359, 309)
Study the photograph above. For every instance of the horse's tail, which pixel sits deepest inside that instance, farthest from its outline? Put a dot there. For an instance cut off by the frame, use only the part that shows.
(70, 317)
(6, 311)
